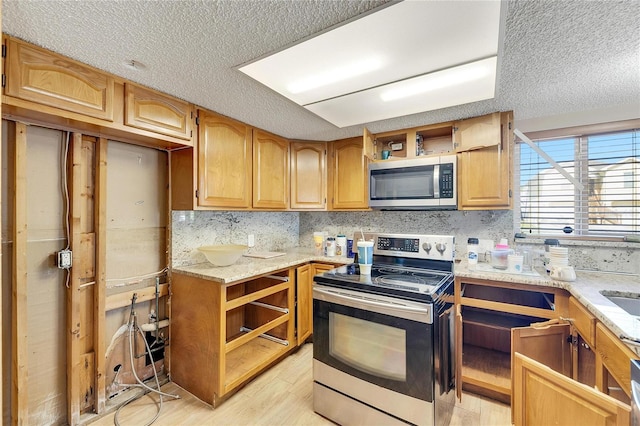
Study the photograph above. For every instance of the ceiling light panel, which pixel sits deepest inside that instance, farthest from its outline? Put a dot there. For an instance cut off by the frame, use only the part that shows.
(403, 40)
(424, 93)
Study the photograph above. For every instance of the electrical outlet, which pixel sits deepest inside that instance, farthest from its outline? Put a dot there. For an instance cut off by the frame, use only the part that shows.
(251, 241)
(65, 259)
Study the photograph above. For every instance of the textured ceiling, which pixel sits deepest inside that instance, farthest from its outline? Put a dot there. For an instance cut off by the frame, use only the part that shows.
(558, 56)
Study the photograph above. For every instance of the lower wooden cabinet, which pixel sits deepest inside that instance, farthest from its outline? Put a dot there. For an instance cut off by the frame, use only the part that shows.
(542, 396)
(223, 335)
(613, 364)
(304, 303)
(487, 311)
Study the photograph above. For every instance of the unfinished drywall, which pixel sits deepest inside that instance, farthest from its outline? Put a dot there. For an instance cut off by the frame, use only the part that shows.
(137, 216)
(46, 320)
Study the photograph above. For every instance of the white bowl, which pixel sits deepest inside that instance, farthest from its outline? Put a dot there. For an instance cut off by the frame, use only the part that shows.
(224, 254)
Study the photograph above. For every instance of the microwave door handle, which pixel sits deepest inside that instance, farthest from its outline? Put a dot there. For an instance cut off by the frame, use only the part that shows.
(436, 181)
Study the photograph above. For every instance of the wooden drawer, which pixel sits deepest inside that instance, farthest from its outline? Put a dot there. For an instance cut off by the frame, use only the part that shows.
(615, 356)
(40, 76)
(583, 321)
(150, 110)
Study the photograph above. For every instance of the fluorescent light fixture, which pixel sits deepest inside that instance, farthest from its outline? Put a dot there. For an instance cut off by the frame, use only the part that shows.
(333, 75)
(439, 80)
(398, 45)
(367, 105)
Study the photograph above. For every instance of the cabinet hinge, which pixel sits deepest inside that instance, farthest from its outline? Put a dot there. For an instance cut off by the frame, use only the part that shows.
(4, 80)
(191, 133)
(455, 129)
(4, 50)
(192, 115)
(197, 121)
(510, 193)
(197, 194)
(509, 125)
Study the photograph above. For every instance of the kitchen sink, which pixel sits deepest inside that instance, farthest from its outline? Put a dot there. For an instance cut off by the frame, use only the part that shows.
(630, 302)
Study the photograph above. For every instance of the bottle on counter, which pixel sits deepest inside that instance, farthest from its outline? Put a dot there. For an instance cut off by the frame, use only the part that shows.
(472, 252)
(331, 246)
(341, 245)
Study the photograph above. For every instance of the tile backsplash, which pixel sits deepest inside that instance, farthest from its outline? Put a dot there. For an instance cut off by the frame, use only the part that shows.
(275, 231)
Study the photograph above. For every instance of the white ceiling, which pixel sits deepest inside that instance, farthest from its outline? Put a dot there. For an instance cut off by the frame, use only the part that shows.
(558, 58)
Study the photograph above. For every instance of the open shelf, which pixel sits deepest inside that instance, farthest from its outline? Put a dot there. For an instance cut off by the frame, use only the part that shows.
(486, 368)
(243, 361)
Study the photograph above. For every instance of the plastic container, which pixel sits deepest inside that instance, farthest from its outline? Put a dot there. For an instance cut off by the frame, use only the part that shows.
(500, 255)
(341, 245)
(318, 243)
(365, 256)
(331, 246)
(472, 251)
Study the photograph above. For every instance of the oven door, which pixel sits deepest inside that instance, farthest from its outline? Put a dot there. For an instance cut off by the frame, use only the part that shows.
(381, 340)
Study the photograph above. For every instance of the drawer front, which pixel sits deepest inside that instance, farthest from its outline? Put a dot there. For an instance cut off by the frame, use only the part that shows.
(583, 321)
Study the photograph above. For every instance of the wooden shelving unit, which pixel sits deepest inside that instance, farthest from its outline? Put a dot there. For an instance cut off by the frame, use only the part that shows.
(232, 332)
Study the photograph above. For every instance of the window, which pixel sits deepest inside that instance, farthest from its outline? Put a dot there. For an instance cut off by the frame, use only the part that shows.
(607, 166)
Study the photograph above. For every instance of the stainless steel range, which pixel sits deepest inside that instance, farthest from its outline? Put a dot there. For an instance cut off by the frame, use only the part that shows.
(383, 343)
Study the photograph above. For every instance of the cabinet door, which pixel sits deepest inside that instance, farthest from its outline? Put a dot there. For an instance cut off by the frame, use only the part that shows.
(612, 357)
(477, 132)
(542, 396)
(304, 303)
(224, 162)
(150, 110)
(270, 171)
(37, 75)
(484, 175)
(550, 345)
(349, 186)
(308, 175)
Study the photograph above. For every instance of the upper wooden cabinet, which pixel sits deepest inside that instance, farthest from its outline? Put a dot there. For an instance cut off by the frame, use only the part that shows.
(484, 174)
(308, 175)
(348, 175)
(270, 171)
(477, 132)
(41, 76)
(224, 162)
(150, 110)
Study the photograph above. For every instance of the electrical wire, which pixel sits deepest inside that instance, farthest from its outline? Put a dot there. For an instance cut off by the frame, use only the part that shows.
(64, 184)
(130, 280)
(134, 328)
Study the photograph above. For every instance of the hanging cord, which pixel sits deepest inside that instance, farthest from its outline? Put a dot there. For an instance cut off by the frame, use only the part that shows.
(64, 186)
(134, 328)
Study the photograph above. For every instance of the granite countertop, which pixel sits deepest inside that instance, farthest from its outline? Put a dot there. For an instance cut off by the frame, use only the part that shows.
(248, 267)
(586, 289)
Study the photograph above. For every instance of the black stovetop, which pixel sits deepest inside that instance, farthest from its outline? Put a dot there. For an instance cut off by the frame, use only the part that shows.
(391, 279)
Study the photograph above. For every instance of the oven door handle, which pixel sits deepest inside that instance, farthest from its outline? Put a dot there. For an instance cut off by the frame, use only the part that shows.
(416, 313)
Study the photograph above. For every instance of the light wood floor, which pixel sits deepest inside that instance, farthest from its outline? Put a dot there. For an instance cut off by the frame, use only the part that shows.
(280, 396)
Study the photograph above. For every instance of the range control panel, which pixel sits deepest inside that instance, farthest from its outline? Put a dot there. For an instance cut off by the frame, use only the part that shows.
(434, 247)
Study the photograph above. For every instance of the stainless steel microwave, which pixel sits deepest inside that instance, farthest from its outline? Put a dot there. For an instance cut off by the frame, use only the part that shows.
(427, 183)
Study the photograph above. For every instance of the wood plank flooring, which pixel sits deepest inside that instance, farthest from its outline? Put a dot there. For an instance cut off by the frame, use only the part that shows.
(280, 396)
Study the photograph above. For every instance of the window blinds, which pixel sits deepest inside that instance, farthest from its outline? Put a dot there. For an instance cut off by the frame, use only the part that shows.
(607, 165)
